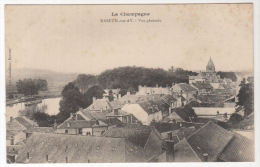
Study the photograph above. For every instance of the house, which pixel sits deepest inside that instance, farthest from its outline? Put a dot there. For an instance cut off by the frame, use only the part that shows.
(100, 105)
(16, 129)
(64, 148)
(16, 135)
(185, 90)
(82, 127)
(145, 90)
(202, 87)
(121, 115)
(150, 108)
(143, 136)
(219, 113)
(173, 131)
(20, 123)
(206, 144)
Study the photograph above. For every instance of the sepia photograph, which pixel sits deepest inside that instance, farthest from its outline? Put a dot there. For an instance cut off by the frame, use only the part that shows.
(129, 83)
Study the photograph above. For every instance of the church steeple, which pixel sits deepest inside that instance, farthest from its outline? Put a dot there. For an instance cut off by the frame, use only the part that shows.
(210, 67)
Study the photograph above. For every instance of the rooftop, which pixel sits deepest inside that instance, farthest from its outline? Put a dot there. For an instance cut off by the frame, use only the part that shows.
(75, 149)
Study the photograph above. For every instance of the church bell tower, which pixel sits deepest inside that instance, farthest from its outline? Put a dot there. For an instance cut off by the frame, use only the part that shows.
(210, 66)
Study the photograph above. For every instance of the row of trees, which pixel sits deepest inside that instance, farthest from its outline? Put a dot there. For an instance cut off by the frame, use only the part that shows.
(128, 78)
(31, 86)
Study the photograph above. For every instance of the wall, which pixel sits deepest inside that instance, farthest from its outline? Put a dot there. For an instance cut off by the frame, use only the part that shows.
(70, 131)
(97, 131)
(86, 130)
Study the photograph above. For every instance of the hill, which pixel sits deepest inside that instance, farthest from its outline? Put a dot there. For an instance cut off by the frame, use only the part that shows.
(128, 78)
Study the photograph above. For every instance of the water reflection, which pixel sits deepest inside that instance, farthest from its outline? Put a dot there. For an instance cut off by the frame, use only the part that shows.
(49, 106)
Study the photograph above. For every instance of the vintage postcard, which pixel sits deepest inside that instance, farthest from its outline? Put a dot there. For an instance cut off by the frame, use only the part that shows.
(129, 83)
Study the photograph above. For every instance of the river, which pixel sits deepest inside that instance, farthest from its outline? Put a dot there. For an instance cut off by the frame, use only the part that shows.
(49, 106)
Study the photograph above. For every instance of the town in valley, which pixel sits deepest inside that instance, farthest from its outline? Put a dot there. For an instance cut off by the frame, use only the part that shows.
(128, 83)
(202, 119)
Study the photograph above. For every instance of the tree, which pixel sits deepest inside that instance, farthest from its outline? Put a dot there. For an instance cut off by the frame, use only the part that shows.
(246, 96)
(235, 118)
(31, 86)
(94, 91)
(43, 119)
(84, 82)
(110, 95)
(228, 75)
(71, 101)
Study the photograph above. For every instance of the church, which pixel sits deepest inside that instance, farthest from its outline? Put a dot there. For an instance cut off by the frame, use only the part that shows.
(208, 76)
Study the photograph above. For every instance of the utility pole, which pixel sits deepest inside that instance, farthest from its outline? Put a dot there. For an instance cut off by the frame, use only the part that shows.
(10, 70)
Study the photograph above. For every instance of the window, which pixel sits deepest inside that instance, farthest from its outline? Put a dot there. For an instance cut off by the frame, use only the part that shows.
(66, 131)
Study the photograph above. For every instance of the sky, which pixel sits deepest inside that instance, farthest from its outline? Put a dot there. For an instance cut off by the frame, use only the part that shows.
(72, 39)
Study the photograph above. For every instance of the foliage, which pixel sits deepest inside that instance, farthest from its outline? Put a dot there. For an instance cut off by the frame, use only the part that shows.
(31, 86)
(235, 118)
(228, 75)
(246, 96)
(43, 119)
(131, 77)
(71, 101)
(110, 95)
(95, 91)
(84, 82)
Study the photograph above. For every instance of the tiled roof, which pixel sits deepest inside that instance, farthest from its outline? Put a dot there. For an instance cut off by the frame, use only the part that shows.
(211, 98)
(116, 104)
(135, 134)
(185, 87)
(25, 122)
(240, 149)
(120, 113)
(41, 129)
(174, 116)
(72, 124)
(154, 103)
(10, 133)
(100, 104)
(20, 123)
(165, 127)
(202, 85)
(207, 140)
(183, 152)
(94, 115)
(78, 149)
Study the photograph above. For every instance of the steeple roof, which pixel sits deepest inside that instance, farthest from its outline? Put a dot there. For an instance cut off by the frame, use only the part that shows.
(210, 67)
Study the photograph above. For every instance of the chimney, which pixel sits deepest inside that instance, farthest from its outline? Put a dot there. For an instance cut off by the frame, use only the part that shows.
(169, 151)
(156, 85)
(115, 111)
(205, 156)
(71, 115)
(11, 119)
(128, 93)
(119, 96)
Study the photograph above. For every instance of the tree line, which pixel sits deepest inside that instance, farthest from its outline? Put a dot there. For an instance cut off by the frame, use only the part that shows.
(30, 86)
